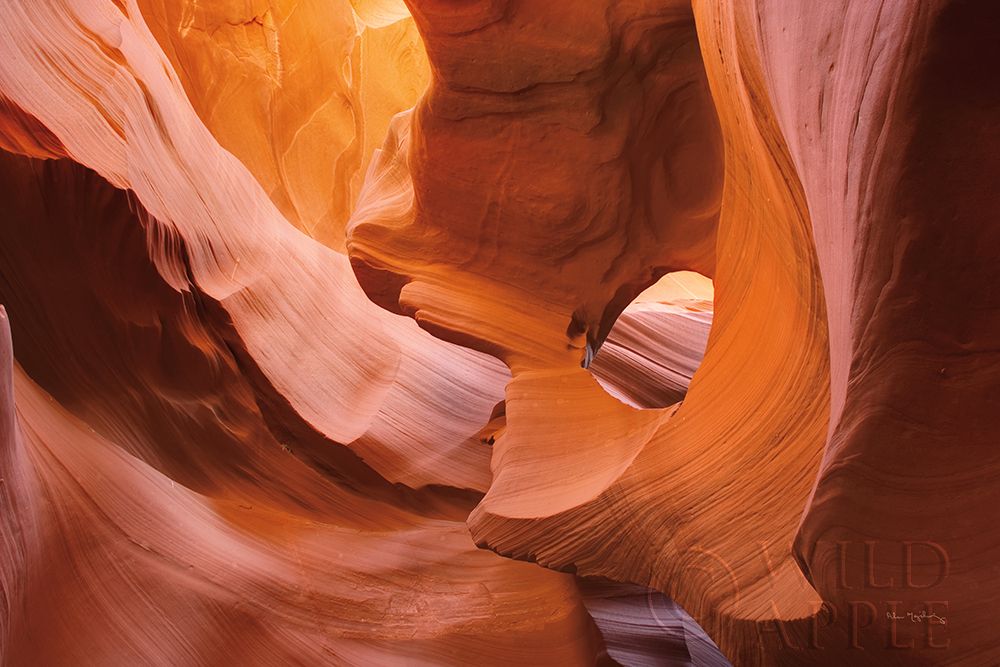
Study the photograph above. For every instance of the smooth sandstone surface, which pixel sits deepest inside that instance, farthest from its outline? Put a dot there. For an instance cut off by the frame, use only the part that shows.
(631, 332)
(300, 92)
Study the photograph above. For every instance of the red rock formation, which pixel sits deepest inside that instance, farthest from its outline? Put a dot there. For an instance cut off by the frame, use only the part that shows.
(897, 145)
(717, 459)
(259, 381)
(168, 464)
(653, 351)
(301, 107)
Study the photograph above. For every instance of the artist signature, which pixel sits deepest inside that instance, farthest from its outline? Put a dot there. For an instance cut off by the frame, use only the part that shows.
(917, 618)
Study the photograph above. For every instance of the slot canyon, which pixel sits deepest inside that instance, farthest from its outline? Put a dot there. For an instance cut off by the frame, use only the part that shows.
(499, 332)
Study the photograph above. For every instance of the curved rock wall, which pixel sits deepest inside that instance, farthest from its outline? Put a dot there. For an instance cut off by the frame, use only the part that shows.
(327, 336)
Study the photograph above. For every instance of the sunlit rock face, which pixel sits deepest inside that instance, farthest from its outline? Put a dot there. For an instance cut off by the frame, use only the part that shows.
(505, 332)
(300, 92)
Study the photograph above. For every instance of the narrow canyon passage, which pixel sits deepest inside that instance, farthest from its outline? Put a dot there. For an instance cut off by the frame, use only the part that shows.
(501, 332)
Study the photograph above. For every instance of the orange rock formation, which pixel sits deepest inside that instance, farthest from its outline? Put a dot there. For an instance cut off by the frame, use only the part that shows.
(371, 332)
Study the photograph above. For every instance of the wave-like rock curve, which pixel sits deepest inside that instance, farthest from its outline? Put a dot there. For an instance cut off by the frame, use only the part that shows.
(332, 332)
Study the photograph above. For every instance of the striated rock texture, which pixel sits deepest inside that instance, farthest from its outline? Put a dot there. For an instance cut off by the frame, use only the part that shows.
(300, 92)
(641, 332)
